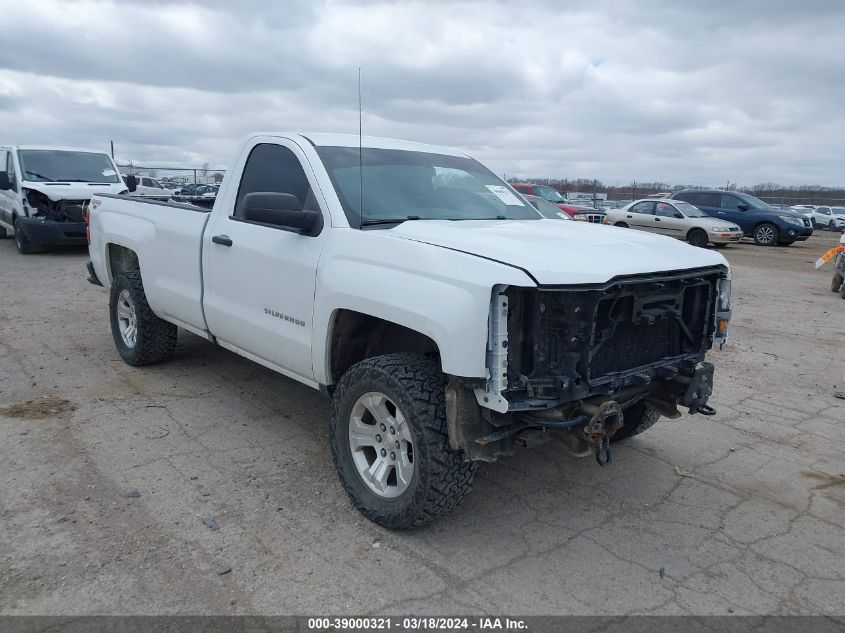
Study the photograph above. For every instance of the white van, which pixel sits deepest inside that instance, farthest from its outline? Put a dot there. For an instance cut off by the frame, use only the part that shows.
(44, 193)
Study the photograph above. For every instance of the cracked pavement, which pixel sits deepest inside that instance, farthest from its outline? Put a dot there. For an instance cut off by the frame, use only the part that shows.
(737, 513)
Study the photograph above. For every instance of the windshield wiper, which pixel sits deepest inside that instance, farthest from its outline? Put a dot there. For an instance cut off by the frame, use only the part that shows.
(376, 222)
(37, 175)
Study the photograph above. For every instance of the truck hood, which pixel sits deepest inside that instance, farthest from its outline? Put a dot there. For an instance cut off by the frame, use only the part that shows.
(557, 252)
(72, 190)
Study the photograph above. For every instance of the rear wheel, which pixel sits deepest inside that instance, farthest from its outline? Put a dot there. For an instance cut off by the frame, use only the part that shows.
(698, 237)
(141, 337)
(390, 444)
(836, 283)
(637, 419)
(24, 246)
(766, 234)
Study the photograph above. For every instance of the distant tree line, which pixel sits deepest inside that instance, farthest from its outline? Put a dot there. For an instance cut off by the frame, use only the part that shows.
(799, 194)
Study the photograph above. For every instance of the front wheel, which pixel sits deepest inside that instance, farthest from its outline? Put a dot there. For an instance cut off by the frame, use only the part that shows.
(22, 242)
(836, 282)
(390, 444)
(831, 226)
(766, 234)
(141, 337)
(698, 237)
(621, 225)
(637, 419)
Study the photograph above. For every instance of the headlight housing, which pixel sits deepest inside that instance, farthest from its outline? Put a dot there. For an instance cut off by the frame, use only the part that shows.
(724, 304)
(580, 217)
(792, 220)
(724, 229)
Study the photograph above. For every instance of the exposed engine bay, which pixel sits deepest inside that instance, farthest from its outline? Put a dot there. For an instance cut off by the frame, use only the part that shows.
(573, 359)
(40, 205)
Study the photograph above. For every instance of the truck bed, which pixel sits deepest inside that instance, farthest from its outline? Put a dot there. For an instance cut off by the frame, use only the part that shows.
(167, 239)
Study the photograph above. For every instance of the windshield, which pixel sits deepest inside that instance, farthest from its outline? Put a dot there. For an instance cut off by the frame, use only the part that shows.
(52, 165)
(838, 210)
(689, 210)
(547, 209)
(547, 193)
(403, 185)
(752, 201)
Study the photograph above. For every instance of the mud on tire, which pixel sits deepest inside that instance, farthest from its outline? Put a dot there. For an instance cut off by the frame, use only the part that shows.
(155, 338)
(441, 478)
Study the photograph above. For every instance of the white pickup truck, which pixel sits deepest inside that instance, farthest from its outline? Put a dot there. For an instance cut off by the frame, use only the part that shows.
(447, 321)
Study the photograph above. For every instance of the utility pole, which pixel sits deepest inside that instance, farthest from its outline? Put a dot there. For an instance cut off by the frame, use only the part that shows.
(112, 149)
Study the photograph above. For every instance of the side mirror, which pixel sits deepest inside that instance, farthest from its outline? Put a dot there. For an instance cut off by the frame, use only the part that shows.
(131, 182)
(742, 206)
(5, 184)
(280, 210)
(679, 215)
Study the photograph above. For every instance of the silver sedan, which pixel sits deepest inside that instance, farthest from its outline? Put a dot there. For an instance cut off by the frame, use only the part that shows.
(677, 219)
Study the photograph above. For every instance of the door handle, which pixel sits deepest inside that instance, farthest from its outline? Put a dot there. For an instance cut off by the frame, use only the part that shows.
(629, 216)
(657, 219)
(223, 240)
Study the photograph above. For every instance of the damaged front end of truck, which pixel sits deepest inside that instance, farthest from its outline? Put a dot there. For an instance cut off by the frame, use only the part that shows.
(50, 219)
(570, 361)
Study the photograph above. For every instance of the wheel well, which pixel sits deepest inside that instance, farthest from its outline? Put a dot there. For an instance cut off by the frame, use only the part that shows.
(356, 336)
(122, 259)
(622, 224)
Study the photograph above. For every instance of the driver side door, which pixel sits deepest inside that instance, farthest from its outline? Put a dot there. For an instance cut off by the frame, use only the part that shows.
(260, 279)
(666, 222)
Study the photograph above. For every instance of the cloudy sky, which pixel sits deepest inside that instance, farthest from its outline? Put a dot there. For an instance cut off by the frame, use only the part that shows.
(681, 92)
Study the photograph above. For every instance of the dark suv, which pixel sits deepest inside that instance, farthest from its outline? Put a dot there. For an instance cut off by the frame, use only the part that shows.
(767, 225)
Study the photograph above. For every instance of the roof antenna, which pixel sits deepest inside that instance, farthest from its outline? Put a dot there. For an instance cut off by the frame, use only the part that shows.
(360, 155)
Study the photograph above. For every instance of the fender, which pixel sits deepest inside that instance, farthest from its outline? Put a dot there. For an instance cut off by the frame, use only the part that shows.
(441, 293)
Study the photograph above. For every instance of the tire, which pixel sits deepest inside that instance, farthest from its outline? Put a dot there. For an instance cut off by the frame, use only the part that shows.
(842, 291)
(154, 339)
(397, 386)
(836, 283)
(24, 246)
(831, 226)
(638, 419)
(698, 237)
(766, 234)
(622, 225)
(3, 233)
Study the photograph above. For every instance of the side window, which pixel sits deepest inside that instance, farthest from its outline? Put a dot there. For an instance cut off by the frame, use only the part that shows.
(643, 207)
(730, 202)
(664, 210)
(156, 184)
(272, 168)
(10, 170)
(823, 210)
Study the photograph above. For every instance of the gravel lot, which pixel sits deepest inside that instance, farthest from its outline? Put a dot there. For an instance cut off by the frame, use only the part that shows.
(135, 490)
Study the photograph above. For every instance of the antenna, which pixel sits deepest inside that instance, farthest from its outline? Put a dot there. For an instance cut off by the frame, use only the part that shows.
(360, 155)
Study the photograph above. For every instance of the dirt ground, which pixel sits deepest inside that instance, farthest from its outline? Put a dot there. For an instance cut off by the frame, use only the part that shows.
(205, 485)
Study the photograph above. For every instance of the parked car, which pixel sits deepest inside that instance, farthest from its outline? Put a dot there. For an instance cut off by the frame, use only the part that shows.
(148, 187)
(546, 208)
(44, 192)
(832, 218)
(578, 212)
(675, 218)
(583, 214)
(804, 210)
(446, 320)
(768, 226)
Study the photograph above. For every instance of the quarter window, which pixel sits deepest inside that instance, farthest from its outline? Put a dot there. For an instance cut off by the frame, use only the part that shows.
(273, 168)
(730, 202)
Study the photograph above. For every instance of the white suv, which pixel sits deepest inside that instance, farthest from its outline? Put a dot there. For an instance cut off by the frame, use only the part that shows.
(832, 218)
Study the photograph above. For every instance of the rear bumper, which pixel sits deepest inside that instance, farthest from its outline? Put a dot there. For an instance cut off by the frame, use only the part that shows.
(51, 233)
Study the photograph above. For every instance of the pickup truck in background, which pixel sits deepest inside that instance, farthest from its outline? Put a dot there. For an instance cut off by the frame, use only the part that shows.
(44, 192)
(446, 319)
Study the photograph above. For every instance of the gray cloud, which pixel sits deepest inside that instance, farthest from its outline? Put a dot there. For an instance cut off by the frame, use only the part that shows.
(619, 90)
